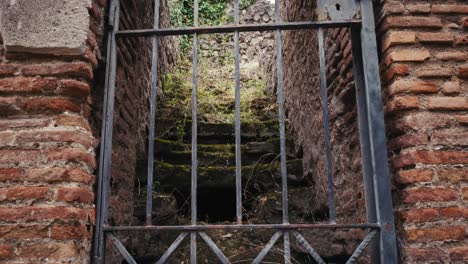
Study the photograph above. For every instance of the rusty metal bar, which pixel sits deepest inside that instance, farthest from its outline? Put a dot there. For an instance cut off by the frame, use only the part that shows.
(172, 248)
(267, 248)
(308, 248)
(240, 28)
(238, 117)
(219, 254)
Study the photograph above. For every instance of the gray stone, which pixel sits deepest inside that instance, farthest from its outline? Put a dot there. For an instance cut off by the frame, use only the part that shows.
(57, 27)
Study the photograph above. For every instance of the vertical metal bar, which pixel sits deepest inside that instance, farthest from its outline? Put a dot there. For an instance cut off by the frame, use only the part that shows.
(363, 122)
(154, 91)
(238, 117)
(281, 114)
(377, 140)
(106, 136)
(326, 126)
(193, 235)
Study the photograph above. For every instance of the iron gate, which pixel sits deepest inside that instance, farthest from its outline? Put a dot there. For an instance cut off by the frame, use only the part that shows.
(355, 14)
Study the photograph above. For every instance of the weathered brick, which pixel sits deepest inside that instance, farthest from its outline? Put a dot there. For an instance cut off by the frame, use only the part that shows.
(8, 69)
(447, 103)
(461, 39)
(50, 105)
(459, 253)
(451, 87)
(23, 122)
(435, 72)
(27, 85)
(438, 37)
(72, 155)
(411, 22)
(462, 119)
(19, 156)
(15, 232)
(423, 121)
(398, 38)
(408, 140)
(393, 7)
(428, 194)
(436, 234)
(408, 55)
(403, 103)
(463, 72)
(10, 174)
(52, 250)
(465, 193)
(418, 8)
(68, 231)
(58, 175)
(465, 22)
(413, 158)
(414, 176)
(75, 194)
(73, 69)
(73, 121)
(21, 193)
(420, 215)
(453, 175)
(41, 213)
(454, 212)
(450, 138)
(450, 9)
(410, 86)
(86, 140)
(74, 88)
(452, 56)
(6, 251)
(425, 254)
(395, 69)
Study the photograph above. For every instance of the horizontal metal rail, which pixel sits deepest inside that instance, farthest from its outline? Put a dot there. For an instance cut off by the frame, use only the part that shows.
(240, 227)
(234, 28)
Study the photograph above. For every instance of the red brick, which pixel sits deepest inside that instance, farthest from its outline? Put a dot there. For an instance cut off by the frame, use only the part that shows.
(436, 234)
(27, 85)
(72, 121)
(424, 121)
(6, 251)
(450, 9)
(74, 69)
(453, 175)
(454, 212)
(69, 231)
(7, 138)
(439, 37)
(20, 193)
(411, 22)
(19, 156)
(403, 103)
(393, 8)
(447, 103)
(409, 55)
(57, 136)
(452, 56)
(58, 175)
(414, 176)
(459, 253)
(425, 255)
(465, 23)
(8, 69)
(22, 122)
(10, 174)
(72, 155)
(51, 250)
(463, 72)
(450, 138)
(408, 140)
(409, 86)
(418, 8)
(451, 87)
(462, 119)
(427, 194)
(465, 193)
(41, 213)
(15, 232)
(430, 157)
(398, 38)
(461, 39)
(420, 215)
(50, 105)
(74, 88)
(395, 70)
(435, 72)
(75, 194)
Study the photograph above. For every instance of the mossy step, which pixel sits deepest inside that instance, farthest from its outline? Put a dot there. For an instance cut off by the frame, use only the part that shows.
(249, 148)
(213, 158)
(216, 132)
(263, 176)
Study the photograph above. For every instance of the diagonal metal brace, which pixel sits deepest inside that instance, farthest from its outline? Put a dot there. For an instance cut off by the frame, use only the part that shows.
(308, 247)
(121, 248)
(361, 247)
(172, 248)
(215, 248)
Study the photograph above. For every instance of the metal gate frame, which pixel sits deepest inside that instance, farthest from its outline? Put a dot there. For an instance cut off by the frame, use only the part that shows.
(359, 17)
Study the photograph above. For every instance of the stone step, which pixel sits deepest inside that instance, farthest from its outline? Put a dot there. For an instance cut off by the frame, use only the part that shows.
(216, 133)
(214, 158)
(262, 176)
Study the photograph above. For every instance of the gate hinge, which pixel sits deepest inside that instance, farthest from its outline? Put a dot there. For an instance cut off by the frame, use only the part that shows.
(331, 10)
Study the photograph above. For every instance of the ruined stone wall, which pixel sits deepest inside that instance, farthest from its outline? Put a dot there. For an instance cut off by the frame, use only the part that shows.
(424, 68)
(52, 66)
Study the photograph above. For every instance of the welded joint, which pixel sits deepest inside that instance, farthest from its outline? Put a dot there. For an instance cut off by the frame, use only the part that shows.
(331, 10)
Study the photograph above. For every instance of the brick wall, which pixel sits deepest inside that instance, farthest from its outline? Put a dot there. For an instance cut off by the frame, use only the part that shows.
(424, 68)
